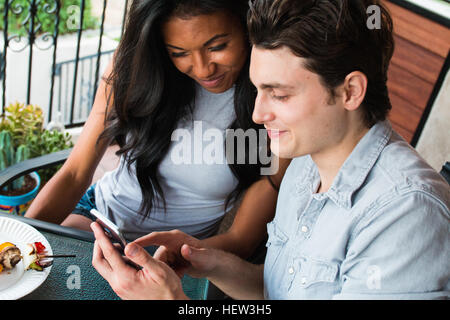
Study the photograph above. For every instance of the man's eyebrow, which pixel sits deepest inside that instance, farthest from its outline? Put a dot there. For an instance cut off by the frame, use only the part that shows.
(207, 43)
(275, 85)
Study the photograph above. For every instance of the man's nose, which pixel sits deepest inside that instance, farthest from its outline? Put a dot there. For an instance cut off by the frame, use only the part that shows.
(262, 112)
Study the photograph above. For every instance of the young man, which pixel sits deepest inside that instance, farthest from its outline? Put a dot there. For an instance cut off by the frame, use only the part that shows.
(360, 215)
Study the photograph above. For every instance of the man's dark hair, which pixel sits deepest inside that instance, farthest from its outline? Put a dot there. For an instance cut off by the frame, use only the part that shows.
(334, 38)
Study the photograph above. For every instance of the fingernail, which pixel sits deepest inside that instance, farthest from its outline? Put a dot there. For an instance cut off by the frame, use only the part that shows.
(189, 250)
(132, 249)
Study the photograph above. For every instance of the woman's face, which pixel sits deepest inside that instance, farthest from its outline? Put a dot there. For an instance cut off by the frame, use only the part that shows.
(209, 48)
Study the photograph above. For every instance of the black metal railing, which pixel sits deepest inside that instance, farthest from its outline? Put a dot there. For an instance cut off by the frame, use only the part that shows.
(82, 100)
(35, 39)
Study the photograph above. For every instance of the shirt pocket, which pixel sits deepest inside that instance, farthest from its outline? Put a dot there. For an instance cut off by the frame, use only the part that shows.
(275, 243)
(315, 273)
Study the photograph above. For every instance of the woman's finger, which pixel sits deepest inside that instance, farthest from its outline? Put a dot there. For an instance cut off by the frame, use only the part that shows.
(161, 254)
(156, 269)
(154, 239)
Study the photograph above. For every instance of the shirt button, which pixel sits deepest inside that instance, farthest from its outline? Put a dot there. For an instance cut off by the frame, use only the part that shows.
(303, 281)
(304, 229)
(291, 270)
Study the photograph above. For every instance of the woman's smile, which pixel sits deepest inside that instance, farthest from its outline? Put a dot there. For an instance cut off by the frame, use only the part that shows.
(213, 82)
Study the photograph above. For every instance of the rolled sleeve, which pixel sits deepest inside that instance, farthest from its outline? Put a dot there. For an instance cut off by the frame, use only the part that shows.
(400, 250)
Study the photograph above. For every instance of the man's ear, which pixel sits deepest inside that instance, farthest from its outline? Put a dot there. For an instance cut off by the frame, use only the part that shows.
(354, 90)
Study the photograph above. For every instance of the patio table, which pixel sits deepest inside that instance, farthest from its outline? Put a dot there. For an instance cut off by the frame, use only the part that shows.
(60, 284)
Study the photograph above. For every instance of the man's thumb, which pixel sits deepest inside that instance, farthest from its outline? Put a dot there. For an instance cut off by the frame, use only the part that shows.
(138, 255)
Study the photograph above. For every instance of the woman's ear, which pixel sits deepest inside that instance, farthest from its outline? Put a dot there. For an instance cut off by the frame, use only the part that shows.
(355, 87)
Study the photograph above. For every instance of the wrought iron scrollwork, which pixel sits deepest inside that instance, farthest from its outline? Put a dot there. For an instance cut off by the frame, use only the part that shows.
(32, 25)
(28, 31)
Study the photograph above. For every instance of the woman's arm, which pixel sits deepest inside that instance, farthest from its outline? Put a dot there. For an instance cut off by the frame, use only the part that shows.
(61, 194)
(245, 234)
(236, 277)
(256, 210)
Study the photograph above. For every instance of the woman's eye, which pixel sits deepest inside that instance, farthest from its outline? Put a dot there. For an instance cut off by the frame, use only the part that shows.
(178, 54)
(219, 47)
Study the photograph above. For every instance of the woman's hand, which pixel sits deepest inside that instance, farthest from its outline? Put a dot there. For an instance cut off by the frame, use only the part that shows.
(156, 280)
(169, 251)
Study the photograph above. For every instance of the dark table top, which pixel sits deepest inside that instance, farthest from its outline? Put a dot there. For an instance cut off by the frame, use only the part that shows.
(76, 278)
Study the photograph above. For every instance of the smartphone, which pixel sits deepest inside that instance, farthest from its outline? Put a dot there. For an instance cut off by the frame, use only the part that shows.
(111, 229)
(114, 233)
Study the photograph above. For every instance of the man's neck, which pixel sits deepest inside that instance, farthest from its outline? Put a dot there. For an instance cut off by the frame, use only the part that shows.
(330, 161)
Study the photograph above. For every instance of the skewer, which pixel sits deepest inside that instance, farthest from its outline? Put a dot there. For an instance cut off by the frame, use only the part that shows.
(56, 256)
(47, 263)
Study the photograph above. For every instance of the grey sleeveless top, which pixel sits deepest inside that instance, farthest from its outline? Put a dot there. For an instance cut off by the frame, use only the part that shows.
(194, 176)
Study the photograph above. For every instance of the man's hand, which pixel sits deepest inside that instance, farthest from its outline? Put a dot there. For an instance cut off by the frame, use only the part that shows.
(156, 280)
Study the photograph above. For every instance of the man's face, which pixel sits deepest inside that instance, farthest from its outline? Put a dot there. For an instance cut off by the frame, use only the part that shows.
(294, 106)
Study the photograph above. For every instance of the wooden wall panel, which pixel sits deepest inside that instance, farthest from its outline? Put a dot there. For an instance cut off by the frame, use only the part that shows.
(408, 86)
(420, 30)
(404, 117)
(421, 46)
(420, 62)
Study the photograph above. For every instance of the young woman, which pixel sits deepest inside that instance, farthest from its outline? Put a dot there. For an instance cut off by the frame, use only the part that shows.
(179, 63)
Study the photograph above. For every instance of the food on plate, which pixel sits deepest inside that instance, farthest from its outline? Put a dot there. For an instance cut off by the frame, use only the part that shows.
(10, 255)
(33, 259)
(35, 256)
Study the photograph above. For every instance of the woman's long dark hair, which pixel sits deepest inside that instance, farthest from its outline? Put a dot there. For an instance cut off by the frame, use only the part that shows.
(149, 95)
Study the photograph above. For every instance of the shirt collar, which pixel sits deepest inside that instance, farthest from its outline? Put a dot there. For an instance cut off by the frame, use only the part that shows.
(355, 169)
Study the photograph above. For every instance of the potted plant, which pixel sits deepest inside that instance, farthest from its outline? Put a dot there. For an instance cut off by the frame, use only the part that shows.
(22, 136)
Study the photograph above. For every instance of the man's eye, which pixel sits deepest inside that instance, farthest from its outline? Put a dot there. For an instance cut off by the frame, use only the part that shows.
(280, 98)
(219, 47)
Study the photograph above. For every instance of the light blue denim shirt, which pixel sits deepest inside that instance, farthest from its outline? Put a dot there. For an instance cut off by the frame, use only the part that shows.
(380, 232)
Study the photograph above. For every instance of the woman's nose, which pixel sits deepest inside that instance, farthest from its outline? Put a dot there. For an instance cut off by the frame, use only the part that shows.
(203, 68)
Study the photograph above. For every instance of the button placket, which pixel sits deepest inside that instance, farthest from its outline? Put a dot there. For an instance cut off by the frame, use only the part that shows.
(306, 270)
(309, 217)
(292, 270)
(296, 265)
(303, 281)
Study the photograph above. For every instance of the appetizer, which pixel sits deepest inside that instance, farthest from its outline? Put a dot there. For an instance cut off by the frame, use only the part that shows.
(9, 256)
(35, 257)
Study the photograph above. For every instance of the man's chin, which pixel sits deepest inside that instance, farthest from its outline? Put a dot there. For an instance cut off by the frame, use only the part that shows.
(279, 151)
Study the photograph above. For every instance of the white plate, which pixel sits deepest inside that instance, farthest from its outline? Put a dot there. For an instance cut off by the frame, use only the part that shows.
(17, 282)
